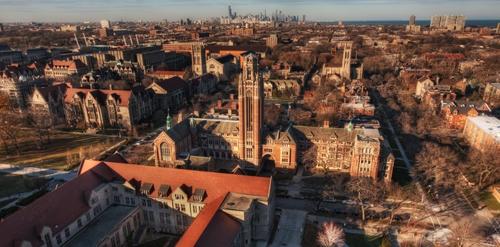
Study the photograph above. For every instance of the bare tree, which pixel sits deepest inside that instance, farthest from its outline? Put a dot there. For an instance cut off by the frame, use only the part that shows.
(365, 192)
(10, 123)
(483, 168)
(331, 235)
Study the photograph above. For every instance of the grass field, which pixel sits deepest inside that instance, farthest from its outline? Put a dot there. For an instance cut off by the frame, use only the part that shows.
(13, 184)
(64, 150)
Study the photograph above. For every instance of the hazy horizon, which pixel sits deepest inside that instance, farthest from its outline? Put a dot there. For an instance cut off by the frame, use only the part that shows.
(173, 10)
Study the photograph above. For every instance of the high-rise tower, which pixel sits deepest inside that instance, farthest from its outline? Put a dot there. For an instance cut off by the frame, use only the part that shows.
(346, 61)
(250, 98)
(198, 59)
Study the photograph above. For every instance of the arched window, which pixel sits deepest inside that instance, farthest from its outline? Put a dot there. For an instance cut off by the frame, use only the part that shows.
(164, 152)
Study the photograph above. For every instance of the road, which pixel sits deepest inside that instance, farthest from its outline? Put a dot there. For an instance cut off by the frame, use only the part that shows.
(290, 228)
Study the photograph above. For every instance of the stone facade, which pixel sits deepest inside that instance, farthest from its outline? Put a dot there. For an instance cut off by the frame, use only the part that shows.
(242, 142)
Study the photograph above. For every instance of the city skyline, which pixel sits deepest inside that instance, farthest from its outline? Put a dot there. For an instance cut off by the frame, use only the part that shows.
(172, 10)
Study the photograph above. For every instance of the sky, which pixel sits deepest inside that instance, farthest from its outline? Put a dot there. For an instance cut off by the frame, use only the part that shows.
(173, 10)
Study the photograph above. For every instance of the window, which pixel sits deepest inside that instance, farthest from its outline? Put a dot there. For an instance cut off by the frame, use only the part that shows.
(87, 215)
(58, 239)
(132, 201)
(79, 222)
(67, 233)
(151, 216)
(195, 209)
(164, 152)
(149, 203)
(48, 240)
(162, 218)
(127, 200)
(144, 202)
(183, 208)
(117, 199)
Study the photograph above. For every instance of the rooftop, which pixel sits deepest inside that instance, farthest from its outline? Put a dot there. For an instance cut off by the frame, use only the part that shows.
(101, 227)
(489, 125)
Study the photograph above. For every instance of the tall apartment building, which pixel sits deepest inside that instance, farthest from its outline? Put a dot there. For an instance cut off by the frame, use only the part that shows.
(483, 132)
(118, 204)
(449, 23)
(412, 20)
(272, 41)
(105, 24)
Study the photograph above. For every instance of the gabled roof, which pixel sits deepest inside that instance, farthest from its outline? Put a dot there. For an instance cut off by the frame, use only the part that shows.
(215, 184)
(122, 96)
(55, 209)
(171, 84)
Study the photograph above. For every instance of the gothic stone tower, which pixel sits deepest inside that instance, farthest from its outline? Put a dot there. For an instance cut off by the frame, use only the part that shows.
(198, 59)
(346, 61)
(250, 97)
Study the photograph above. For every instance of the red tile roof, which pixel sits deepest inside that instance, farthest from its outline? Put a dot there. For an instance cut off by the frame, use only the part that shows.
(56, 209)
(122, 95)
(215, 184)
(64, 205)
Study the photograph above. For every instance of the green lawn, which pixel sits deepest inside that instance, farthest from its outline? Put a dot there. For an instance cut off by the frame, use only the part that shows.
(490, 201)
(65, 150)
(13, 184)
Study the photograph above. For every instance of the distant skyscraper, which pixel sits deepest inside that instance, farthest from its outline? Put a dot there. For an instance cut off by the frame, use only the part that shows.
(303, 18)
(105, 24)
(230, 11)
(412, 20)
(1, 27)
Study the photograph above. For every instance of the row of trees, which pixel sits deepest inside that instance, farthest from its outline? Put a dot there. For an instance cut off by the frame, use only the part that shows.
(12, 122)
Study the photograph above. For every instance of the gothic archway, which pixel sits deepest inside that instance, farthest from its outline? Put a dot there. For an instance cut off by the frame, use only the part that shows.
(268, 163)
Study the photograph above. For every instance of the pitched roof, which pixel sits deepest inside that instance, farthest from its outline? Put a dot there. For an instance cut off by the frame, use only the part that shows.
(171, 84)
(122, 96)
(215, 184)
(49, 210)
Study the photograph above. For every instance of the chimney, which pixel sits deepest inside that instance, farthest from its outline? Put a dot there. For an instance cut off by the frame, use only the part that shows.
(229, 112)
(196, 113)
(110, 86)
(326, 124)
(212, 110)
(219, 103)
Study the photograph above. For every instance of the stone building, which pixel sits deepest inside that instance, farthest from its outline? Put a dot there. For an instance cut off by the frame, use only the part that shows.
(492, 94)
(222, 67)
(112, 203)
(107, 109)
(198, 59)
(244, 143)
(342, 65)
(47, 104)
(63, 69)
(18, 83)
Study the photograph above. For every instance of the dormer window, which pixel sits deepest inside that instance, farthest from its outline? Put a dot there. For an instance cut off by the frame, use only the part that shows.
(179, 197)
(198, 195)
(146, 188)
(164, 190)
